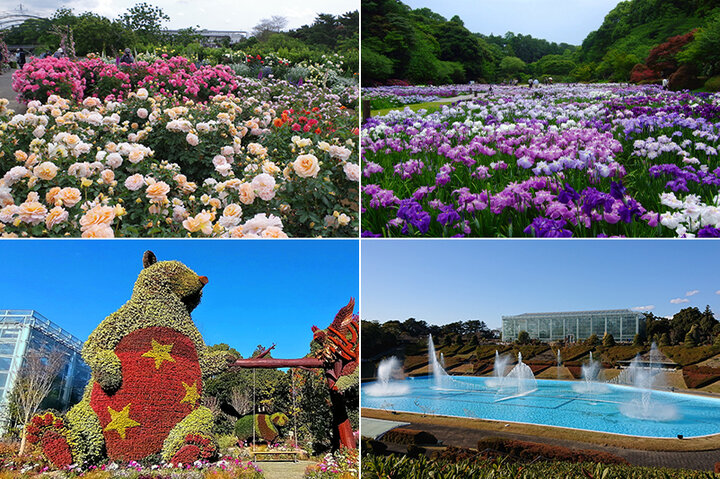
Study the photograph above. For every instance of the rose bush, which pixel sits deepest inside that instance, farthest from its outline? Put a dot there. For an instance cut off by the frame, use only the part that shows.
(87, 77)
(270, 160)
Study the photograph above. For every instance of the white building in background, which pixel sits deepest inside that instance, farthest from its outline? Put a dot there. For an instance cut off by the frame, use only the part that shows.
(27, 330)
(622, 324)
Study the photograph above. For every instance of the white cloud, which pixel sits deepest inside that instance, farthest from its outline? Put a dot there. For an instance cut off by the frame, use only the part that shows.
(717, 292)
(244, 15)
(679, 300)
(692, 293)
(644, 308)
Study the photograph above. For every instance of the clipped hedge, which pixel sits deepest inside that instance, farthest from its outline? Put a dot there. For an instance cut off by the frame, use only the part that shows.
(409, 436)
(687, 356)
(530, 450)
(700, 376)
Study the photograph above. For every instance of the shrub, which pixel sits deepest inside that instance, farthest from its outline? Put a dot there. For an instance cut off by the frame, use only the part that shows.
(409, 436)
(713, 83)
(523, 337)
(530, 450)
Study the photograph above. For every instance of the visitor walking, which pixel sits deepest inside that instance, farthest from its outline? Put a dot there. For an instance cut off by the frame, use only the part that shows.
(665, 83)
(127, 58)
(20, 57)
(59, 53)
(530, 82)
(536, 83)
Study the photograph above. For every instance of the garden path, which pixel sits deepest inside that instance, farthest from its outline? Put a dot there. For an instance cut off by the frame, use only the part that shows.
(6, 91)
(284, 470)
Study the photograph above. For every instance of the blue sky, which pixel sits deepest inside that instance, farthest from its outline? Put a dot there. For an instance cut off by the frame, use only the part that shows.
(259, 292)
(557, 21)
(441, 281)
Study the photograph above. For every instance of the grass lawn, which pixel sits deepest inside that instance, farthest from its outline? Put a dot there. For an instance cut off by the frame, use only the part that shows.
(430, 106)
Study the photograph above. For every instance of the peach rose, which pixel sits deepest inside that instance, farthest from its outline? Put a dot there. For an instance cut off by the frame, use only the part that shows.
(56, 216)
(246, 193)
(98, 231)
(192, 139)
(51, 195)
(157, 192)
(45, 170)
(134, 182)
(97, 216)
(352, 171)
(273, 232)
(201, 222)
(306, 166)
(69, 196)
(32, 212)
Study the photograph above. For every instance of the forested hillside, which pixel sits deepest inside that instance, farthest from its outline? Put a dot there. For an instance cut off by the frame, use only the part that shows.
(421, 46)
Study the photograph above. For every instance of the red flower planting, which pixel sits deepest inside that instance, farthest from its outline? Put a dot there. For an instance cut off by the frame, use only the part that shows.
(162, 384)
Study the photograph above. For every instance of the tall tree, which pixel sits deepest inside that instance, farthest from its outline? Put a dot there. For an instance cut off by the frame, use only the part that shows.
(146, 21)
(33, 383)
(268, 26)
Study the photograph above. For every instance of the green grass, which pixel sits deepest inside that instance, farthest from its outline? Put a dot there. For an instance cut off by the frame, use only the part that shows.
(430, 106)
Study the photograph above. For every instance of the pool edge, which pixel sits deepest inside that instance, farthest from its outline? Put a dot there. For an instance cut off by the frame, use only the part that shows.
(699, 443)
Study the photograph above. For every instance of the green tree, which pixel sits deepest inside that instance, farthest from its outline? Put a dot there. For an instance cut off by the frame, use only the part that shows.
(523, 337)
(608, 340)
(146, 21)
(511, 66)
(592, 340)
(664, 340)
(637, 340)
(691, 337)
(704, 51)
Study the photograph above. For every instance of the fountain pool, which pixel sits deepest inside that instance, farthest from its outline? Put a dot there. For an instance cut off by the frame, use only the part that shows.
(555, 403)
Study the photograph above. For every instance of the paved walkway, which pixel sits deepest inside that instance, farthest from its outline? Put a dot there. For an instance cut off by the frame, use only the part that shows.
(468, 438)
(6, 91)
(284, 470)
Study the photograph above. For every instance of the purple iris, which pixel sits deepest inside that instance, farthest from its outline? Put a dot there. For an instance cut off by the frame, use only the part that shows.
(547, 228)
(412, 212)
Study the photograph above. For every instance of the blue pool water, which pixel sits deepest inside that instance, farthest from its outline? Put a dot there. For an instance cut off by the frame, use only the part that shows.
(555, 403)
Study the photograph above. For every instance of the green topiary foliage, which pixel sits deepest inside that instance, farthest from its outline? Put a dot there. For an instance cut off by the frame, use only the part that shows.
(266, 426)
(148, 361)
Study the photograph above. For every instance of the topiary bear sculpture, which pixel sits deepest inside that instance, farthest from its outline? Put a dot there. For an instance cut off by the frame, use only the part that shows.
(266, 426)
(148, 362)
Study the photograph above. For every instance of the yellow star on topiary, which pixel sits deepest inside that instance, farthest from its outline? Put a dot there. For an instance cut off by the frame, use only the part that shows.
(120, 420)
(191, 394)
(159, 352)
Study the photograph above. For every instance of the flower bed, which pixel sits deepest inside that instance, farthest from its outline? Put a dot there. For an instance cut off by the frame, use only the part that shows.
(343, 464)
(13, 467)
(270, 161)
(86, 77)
(560, 161)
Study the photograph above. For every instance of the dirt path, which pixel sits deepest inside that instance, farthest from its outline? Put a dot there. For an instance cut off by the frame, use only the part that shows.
(6, 91)
(284, 470)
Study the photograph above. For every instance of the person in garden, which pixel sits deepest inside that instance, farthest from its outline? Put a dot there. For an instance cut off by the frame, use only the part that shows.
(127, 58)
(59, 53)
(665, 83)
(20, 56)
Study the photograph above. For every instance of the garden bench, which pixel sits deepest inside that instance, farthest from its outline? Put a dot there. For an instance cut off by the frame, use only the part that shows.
(276, 454)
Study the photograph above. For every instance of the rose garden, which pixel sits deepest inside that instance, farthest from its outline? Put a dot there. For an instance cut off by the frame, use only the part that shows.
(240, 144)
